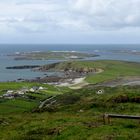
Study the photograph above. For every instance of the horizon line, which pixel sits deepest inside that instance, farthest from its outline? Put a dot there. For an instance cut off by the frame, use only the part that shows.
(69, 44)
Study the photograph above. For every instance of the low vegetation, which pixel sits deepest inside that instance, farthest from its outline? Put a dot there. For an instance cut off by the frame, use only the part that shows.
(60, 113)
(76, 115)
(52, 55)
(105, 70)
(29, 100)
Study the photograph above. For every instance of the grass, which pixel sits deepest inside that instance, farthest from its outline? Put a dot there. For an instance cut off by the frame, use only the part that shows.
(30, 101)
(19, 85)
(112, 69)
(76, 114)
(67, 122)
(17, 105)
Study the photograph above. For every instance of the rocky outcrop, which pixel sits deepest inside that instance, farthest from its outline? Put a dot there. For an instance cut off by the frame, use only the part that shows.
(23, 67)
(81, 70)
(126, 99)
(47, 67)
(67, 68)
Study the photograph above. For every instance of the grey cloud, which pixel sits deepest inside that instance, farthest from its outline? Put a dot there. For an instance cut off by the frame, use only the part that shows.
(71, 15)
(109, 13)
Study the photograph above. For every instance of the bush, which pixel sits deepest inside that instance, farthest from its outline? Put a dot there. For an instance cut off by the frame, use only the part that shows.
(69, 99)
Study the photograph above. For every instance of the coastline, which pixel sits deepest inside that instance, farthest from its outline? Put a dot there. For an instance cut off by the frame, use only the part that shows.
(13, 75)
(77, 74)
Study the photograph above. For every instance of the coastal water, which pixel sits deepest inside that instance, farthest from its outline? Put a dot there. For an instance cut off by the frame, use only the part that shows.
(107, 52)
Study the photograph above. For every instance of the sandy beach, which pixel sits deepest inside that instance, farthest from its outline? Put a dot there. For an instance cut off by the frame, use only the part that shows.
(76, 83)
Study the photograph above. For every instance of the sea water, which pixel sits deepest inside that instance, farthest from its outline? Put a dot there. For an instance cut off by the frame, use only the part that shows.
(107, 52)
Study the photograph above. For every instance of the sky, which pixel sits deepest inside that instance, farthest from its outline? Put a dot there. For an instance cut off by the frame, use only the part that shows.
(70, 21)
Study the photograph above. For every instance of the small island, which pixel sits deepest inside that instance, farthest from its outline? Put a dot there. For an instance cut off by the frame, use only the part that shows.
(52, 55)
(131, 52)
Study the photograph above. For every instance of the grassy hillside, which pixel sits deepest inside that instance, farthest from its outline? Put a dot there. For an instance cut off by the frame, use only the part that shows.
(111, 69)
(77, 115)
(30, 101)
(74, 114)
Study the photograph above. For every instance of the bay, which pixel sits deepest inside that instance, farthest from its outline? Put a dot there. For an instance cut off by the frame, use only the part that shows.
(105, 52)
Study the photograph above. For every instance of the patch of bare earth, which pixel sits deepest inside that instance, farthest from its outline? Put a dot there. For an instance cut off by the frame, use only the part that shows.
(129, 80)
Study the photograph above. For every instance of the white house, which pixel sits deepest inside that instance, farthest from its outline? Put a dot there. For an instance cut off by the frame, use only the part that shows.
(40, 88)
(20, 92)
(10, 92)
(32, 90)
(99, 92)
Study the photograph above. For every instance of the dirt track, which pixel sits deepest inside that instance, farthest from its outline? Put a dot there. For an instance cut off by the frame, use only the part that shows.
(133, 80)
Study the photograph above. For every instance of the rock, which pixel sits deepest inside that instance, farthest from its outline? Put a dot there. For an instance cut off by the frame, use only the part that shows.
(54, 131)
(81, 111)
(23, 67)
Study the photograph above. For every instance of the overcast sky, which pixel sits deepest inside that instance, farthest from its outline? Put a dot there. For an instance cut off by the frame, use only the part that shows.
(70, 21)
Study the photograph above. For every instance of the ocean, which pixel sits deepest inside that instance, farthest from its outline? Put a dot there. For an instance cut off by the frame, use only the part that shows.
(105, 52)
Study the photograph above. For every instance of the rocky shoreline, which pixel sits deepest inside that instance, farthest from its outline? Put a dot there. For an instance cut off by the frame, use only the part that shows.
(64, 75)
(23, 67)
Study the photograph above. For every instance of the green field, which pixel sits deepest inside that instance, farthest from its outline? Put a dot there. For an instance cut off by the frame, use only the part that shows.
(111, 69)
(74, 114)
(66, 121)
(25, 104)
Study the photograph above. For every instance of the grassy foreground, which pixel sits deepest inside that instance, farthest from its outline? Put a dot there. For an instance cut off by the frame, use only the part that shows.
(77, 115)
